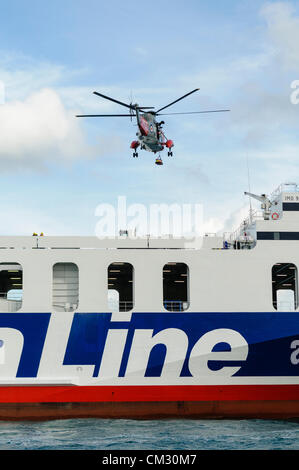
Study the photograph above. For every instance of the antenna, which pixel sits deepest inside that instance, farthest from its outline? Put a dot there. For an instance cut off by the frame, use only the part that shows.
(249, 190)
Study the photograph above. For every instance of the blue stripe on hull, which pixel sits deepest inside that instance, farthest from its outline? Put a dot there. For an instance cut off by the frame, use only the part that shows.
(269, 336)
(272, 339)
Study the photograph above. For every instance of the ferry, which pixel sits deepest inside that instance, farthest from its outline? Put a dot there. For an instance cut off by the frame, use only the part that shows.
(152, 328)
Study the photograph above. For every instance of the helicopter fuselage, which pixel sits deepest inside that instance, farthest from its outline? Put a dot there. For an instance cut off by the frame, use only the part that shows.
(150, 135)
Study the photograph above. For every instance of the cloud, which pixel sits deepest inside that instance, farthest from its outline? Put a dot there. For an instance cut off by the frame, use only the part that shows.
(232, 222)
(22, 75)
(38, 129)
(23, 221)
(38, 104)
(283, 32)
(256, 86)
(264, 116)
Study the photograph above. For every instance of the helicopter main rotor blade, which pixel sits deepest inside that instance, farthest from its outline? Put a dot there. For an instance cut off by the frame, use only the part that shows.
(105, 115)
(179, 99)
(115, 101)
(196, 112)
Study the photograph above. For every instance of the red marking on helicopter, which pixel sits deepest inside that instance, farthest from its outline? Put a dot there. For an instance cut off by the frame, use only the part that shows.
(169, 144)
(134, 144)
(143, 126)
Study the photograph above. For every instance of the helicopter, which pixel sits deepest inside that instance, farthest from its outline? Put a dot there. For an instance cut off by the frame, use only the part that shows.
(150, 136)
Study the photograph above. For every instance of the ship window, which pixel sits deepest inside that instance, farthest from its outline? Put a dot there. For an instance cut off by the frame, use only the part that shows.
(176, 287)
(284, 287)
(65, 287)
(120, 287)
(11, 287)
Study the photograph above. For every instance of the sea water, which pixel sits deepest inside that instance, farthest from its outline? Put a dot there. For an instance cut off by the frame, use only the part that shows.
(105, 434)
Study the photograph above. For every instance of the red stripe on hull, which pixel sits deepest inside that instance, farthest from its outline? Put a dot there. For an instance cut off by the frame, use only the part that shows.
(149, 402)
(152, 410)
(146, 393)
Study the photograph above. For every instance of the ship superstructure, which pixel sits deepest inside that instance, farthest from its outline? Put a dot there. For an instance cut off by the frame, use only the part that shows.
(151, 327)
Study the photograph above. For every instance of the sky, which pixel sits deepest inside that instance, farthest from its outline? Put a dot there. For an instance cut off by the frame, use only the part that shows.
(57, 169)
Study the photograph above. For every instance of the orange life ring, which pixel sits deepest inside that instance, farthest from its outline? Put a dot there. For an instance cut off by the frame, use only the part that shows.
(275, 216)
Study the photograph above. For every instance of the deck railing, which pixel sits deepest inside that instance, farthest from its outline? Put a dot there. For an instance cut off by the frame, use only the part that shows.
(175, 305)
(10, 302)
(170, 305)
(285, 187)
(120, 306)
(285, 306)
